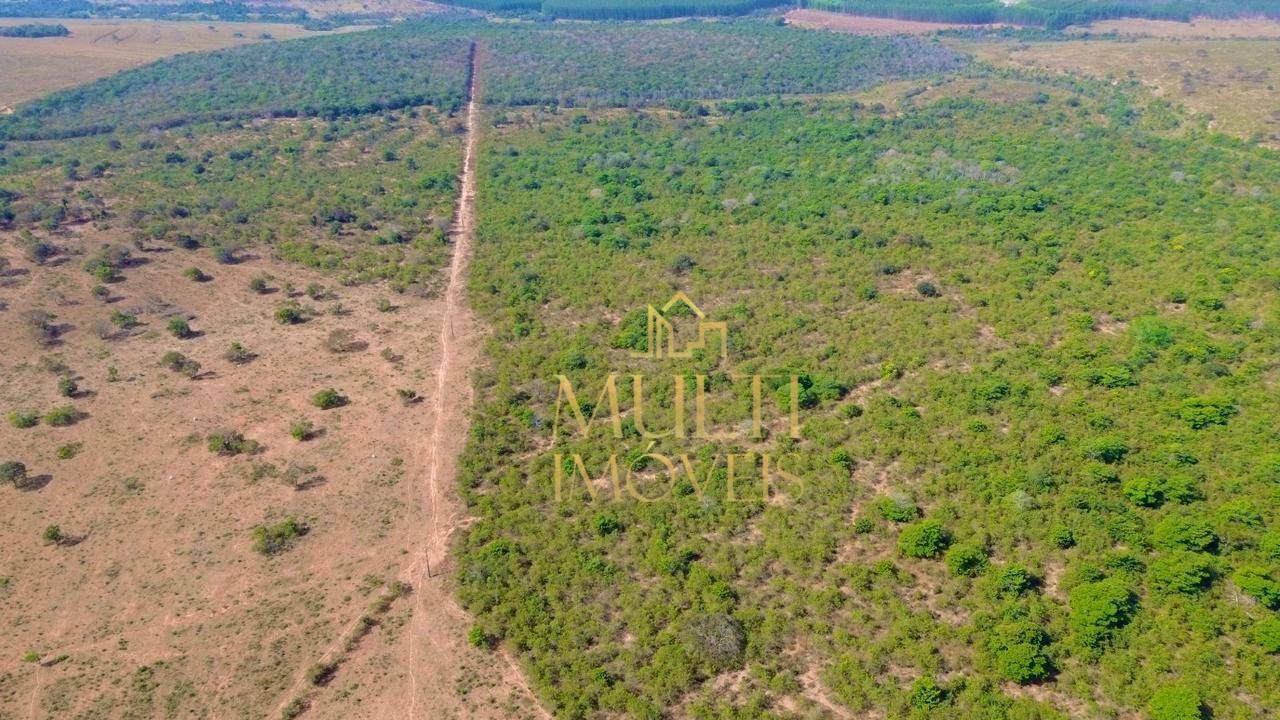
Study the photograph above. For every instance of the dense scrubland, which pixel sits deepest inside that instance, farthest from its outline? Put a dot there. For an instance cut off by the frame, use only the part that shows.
(1033, 322)
(1037, 341)
(425, 63)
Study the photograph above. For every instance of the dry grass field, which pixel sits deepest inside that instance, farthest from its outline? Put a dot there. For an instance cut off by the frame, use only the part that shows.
(33, 67)
(155, 602)
(1198, 28)
(861, 25)
(1235, 84)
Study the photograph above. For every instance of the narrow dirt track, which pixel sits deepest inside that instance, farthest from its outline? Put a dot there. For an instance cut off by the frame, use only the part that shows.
(439, 659)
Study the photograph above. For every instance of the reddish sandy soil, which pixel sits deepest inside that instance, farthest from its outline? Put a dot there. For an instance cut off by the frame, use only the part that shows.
(158, 606)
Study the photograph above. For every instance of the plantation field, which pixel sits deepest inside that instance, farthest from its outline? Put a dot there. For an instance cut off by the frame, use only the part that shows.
(32, 68)
(1234, 84)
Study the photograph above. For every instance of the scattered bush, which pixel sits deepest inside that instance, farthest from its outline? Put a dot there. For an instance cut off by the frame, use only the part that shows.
(180, 328)
(230, 442)
(289, 315)
(237, 354)
(302, 430)
(13, 473)
(67, 387)
(1258, 584)
(62, 416)
(322, 673)
(23, 420)
(328, 399)
(53, 535)
(259, 284)
(68, 451)
(275, 539)
(341, 341)
(123, 320)
(408, 396)
(195, 274)
(181, 364)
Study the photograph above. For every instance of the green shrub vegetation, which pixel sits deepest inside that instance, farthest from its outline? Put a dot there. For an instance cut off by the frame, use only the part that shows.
(279, 537)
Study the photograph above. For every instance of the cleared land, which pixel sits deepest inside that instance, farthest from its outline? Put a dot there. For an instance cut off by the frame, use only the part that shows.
(33, 67)
(862, 25)
(1231, 82)
(1198, 28)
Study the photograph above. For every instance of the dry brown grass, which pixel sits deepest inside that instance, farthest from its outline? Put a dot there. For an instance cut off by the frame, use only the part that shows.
(1234, 83)
(33, 67)
(164, 575)
(1197, 28)
(861, 25)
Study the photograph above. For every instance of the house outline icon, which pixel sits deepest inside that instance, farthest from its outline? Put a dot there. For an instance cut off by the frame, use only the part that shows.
(659, 326)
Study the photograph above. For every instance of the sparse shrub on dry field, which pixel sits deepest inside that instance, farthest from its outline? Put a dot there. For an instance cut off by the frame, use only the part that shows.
(62, 416)
(53, 535)
(237, 354)
(341, 341)
(328, 399)
(259, 284)
(231, 442)
(317, 292)
(289, 314)
(180, 328)
(408, 396)
(302, 430)
(40, 324)
(180, 363)
(124, 320)
(195, 274)
(322, 673)
(384, 305)
(13, 473)
(23, 420)
(67, 386)
(70, 450)
(277, 538)
(101, 292)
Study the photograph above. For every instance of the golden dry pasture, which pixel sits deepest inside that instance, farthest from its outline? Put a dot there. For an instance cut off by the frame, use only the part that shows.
(1234, 84)
(33, 67)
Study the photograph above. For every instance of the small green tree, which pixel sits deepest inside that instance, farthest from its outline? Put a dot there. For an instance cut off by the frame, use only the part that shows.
(1182, 572)
(925, 539)
(1267, 634)
(302, 430)
(62, 416)
(53, 535)
(966, 559)
(13, 473)
(1100, 608)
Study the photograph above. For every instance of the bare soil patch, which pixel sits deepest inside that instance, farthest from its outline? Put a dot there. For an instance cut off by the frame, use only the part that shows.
(1201, 27)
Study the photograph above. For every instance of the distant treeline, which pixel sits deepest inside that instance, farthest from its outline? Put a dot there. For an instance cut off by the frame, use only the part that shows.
(1053, 14)
(34, 30)
(217, 10)
(330, 76)
(425, 63)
